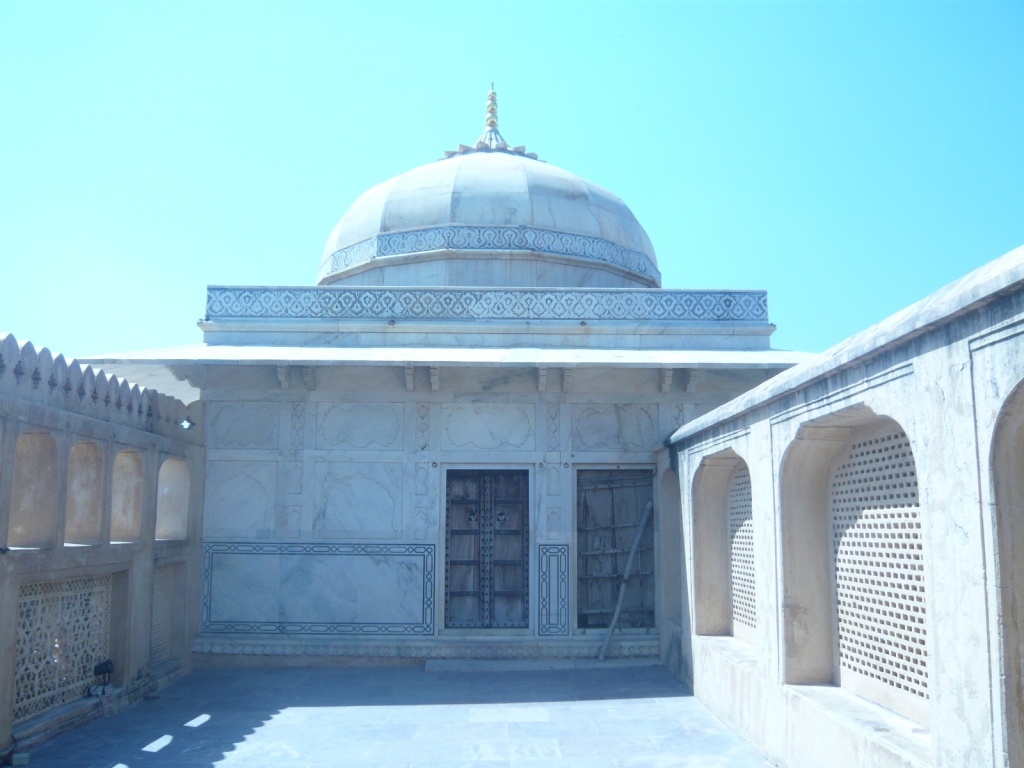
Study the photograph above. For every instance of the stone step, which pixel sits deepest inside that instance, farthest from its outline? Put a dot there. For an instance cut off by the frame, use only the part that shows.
(532, 665)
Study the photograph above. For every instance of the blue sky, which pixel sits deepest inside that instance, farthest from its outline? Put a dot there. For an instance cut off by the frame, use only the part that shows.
(849, 158)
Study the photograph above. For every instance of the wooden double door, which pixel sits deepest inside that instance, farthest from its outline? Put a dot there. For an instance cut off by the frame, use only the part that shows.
(487, 544)
(610, 507)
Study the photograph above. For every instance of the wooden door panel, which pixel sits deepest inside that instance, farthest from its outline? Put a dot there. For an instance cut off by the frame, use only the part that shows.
(486, 584)
(609, 506)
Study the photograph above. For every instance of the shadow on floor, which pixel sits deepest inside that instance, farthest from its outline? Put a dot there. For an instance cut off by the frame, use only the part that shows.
(403, 716)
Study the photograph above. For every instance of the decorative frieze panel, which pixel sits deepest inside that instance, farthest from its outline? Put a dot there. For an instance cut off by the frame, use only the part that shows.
(361, 500)
(553, 427)
(243, 425)
(63, 632)
(467, 238)
(487, 426)
(553, 592)
(351, 303)
(240, 498)
(422, 426)
(359, 426)
(295, 477)
(612, 427)
(298, 425)
(678, 414)
(318, 589)
(422, 478)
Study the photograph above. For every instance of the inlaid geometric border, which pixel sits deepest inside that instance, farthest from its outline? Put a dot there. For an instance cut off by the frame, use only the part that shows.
(554, 590)
(423, 627)
(469, 238)
(644, 647)
(350, 303)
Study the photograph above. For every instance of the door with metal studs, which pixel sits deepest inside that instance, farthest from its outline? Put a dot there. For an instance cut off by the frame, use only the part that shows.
(487, 545)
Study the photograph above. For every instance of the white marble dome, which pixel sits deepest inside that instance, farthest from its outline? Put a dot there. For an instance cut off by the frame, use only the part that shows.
(489, 216)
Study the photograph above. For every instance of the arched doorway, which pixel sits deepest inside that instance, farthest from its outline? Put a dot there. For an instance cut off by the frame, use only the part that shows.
(1007, 461)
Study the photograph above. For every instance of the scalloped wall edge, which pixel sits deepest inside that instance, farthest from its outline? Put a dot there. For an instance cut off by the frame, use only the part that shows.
(37, 375)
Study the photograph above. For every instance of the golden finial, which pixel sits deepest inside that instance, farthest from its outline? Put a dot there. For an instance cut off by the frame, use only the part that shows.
(492, 108)
(492, 138)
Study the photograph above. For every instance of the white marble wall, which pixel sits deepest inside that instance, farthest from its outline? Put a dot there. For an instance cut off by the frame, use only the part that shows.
(946, 372)
(353, 457)
(345, 589)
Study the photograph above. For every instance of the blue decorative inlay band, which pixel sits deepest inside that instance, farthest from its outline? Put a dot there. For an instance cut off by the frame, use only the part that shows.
(331, 303)
(216, 551)
(553, 602)
(464, 238)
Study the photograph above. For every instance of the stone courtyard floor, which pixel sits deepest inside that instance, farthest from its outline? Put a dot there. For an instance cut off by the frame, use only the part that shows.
(407, 716)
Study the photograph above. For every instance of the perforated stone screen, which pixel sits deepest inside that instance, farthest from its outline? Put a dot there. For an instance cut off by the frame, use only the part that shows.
(63, 632)
(163, 601)
(879, 561)
(741, 549)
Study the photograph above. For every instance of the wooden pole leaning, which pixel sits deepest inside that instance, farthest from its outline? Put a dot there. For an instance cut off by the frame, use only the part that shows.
(627, 573)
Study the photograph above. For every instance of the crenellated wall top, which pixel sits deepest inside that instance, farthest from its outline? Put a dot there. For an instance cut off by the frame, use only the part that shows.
(37, 375)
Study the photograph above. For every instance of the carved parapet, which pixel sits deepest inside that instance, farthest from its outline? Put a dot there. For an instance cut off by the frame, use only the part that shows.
(38, 376)
(565, 304)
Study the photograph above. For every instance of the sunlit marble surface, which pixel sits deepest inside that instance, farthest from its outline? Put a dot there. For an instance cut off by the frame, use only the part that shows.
(404, 716)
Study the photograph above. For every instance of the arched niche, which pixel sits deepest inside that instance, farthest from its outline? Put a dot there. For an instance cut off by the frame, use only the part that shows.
(172, 500)
(852, 540)
(723, 547)
(84, 510)
(806, 559)
(33, 491)
(126, 497)
(1007, 462)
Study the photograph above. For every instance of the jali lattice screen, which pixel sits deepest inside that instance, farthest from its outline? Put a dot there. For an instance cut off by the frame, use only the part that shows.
(741, 549)
(63, 632)
(879, 561)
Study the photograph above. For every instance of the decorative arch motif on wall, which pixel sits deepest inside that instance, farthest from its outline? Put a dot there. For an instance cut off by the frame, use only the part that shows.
(83, 520)
(127, 497)
(173, 486)
(34, 491)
